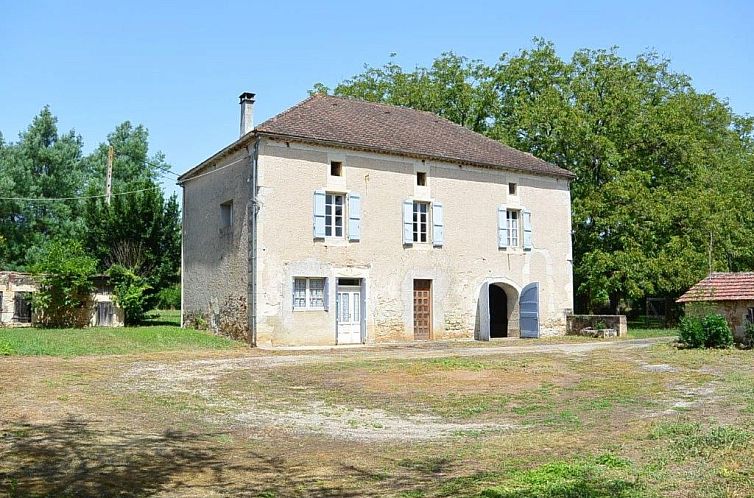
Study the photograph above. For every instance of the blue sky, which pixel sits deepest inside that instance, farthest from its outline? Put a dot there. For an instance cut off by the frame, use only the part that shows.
(178, 67)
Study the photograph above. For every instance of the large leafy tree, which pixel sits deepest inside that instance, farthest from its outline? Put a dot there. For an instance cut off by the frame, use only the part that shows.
(140, 229)
(42, 164)
(663, 172)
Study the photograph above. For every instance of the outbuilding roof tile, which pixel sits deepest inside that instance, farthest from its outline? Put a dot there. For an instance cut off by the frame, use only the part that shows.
(722, 287)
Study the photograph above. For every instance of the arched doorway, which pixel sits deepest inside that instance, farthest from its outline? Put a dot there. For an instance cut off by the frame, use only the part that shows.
(498, 312)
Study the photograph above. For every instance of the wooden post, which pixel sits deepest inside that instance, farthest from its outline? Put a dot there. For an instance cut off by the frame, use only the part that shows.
(109, 177)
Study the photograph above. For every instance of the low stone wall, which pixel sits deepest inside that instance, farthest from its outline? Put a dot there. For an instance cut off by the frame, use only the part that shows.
(575, 323)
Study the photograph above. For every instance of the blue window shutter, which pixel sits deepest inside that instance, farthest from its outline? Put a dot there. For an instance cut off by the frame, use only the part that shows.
(354, 217)
(408, 222)
(502, 227)
(527, 229)
(319, 214)
(438, 224)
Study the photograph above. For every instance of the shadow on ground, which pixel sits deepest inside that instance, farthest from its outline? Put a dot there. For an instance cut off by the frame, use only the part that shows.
(74, 458)
(79, 458)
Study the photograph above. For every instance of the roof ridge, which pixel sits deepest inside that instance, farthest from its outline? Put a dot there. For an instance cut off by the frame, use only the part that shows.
(392, 129)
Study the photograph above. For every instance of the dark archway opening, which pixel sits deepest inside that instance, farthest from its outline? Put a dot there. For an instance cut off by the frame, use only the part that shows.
(498, 312)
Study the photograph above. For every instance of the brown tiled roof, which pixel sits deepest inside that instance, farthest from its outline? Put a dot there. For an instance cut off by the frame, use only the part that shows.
(348, 122)
(722, 287)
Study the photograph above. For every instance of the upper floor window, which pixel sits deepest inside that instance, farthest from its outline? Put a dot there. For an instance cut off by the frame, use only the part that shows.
(336, 168)
(512, 188)
(334, 207)
(421, 221)
(421, 179)
(512, 218)
(226, 214)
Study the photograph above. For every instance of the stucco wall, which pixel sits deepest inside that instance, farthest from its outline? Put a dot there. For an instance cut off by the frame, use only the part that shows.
(288, 176)
(215, 259)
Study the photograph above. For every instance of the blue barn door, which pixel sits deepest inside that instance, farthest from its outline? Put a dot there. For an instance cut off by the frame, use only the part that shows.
(529, 310)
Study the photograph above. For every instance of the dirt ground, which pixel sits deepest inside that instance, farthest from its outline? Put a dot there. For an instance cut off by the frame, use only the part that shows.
(639, 418)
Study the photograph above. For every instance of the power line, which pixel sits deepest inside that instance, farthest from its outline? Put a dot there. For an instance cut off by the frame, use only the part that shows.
(82, 197)
(98, 196)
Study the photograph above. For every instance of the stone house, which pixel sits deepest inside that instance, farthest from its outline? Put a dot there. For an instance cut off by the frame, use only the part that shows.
(16, 310)
(730, 294)
(340, 221)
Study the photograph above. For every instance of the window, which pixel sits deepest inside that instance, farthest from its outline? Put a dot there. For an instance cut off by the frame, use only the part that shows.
(512, 187)
(336, 168)
(512, 219)
(334, 215)
(226, 214)
(749, 314)
(421, 221)
(308, 293)
(421, 179)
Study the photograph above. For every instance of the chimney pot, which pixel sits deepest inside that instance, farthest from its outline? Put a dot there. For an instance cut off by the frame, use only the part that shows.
(247, 112)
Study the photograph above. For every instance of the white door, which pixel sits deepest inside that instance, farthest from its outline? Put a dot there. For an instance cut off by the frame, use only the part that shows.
(349, 314)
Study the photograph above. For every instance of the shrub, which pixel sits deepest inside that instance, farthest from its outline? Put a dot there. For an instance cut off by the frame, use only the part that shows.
(691, 332)
(131, 293)
(749, 335)
(64, 273)
(717, 331)
(169, 298)
(710, 331)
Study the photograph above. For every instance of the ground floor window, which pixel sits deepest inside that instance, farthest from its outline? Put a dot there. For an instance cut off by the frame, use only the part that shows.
(308, 293)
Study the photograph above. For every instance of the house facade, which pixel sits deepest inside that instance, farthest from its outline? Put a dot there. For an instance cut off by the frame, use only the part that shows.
(730, 294)
(341, 221)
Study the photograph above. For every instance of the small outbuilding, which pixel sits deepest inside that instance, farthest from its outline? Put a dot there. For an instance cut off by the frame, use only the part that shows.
(16, 309)
(730, 294)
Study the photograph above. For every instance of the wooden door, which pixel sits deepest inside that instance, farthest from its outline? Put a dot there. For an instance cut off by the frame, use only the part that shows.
(422, 310)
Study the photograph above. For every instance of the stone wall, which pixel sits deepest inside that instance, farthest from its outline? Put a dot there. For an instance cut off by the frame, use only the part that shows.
(735, 312)
(574, 323)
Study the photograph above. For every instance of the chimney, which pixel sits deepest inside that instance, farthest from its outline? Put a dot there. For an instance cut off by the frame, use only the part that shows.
(247, 112)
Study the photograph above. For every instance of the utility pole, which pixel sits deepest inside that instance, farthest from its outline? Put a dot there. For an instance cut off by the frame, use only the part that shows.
(709, 256)
(109, 178)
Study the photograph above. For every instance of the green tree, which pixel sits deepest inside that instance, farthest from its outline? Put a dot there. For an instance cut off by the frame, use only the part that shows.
(42, 164)
(139, 231)
(663, 172)
(64, 273)
(132, 163)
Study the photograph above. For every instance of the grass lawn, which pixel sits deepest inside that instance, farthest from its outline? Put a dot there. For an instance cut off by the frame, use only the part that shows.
(641, 333)
(160, 333)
